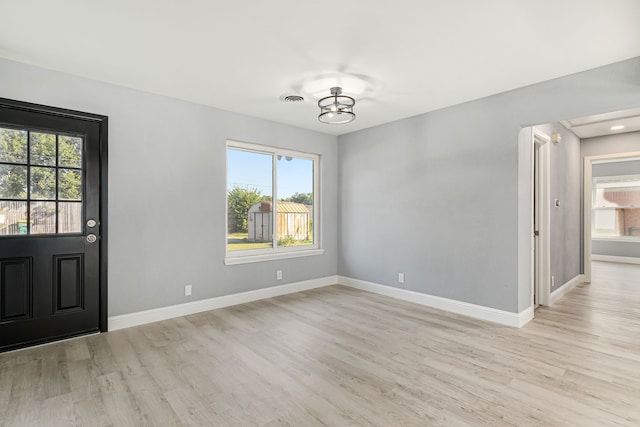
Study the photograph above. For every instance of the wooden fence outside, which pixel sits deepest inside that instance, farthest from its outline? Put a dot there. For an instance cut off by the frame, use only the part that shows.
(13, 217)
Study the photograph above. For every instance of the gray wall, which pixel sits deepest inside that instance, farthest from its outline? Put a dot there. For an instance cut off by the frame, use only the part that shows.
(612, 144)
(612, 248)
(438, 195)
(631, 167)
(621, 143)
(565, 180)
(165, 153)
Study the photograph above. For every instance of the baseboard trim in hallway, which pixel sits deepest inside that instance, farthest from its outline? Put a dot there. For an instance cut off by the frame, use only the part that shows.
(620, 259)
(564, 289)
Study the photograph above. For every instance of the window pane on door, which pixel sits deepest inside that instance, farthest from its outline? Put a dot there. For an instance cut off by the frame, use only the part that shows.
(43, 183)
(43, 217)
(13, 182)
(43, 149)
(13, 218)
(70, 184)
(249, 195)
(69, 217)
(295, 201)
(13, 146)
(70, 151)
(45, 170)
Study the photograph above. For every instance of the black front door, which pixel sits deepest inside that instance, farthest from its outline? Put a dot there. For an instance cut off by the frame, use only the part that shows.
(50, 224)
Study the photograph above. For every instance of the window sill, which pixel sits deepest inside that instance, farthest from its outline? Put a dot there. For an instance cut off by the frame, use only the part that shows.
(271, 257)
(617, 239)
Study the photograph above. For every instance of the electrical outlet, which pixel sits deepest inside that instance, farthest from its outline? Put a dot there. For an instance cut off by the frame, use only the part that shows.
(279, 275)
(400, 277)
(187, 290)
(553, 281)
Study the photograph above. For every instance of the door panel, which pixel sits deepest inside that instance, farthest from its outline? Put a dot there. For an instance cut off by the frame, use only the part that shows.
(50, 186)
(68, 284)
(15, 289)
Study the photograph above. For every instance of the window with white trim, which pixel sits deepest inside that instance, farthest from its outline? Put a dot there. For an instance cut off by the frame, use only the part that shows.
(272, 203)
(616, 207)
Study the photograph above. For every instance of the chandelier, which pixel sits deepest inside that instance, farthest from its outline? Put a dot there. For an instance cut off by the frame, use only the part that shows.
(337, 108)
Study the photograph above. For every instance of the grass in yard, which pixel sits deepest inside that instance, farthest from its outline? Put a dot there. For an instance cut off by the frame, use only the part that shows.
(240, 242)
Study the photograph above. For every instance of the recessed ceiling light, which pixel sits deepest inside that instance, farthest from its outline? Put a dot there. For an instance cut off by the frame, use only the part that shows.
(617, 127)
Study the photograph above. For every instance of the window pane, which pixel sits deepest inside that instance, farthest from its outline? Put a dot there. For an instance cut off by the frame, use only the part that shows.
(70, 185)
(13, 146)
(604, 222)
(617, 197)
(295, 201)
(43, 183)
(616, 203)
(249, 195)
(43, 217)
(13, 218)
(70, 217)
(43, 149)
(70, 151)
(13, 182)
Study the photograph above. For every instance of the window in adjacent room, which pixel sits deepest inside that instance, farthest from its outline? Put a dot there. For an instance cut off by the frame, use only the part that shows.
(272, 202)
(616, 207)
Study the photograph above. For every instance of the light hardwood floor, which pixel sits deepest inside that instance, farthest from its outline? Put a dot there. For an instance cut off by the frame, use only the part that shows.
(337, 356)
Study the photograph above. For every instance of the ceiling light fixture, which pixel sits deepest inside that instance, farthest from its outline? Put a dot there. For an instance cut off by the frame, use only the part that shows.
(337, 108)
(617, 127)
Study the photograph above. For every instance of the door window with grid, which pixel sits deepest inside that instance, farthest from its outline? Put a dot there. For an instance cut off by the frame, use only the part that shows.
(41, 182)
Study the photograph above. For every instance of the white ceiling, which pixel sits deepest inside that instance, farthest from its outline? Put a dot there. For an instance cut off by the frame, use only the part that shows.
(398, 58)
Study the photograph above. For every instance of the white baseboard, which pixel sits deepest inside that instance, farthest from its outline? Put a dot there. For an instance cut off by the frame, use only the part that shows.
(471, 310)
(562, 291)
(163, 313)
(611, 258)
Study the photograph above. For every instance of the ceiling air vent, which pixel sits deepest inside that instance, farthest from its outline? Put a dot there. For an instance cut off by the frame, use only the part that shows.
(291, 98)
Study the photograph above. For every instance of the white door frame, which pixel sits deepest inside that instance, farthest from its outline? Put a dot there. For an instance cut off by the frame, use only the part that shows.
(541, 251)
(588, 191)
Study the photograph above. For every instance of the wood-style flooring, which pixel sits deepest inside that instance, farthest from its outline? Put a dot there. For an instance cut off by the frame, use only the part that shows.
(337, 356)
